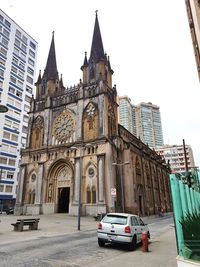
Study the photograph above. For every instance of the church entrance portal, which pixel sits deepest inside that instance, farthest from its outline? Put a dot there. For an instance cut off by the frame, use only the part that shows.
(63, 199)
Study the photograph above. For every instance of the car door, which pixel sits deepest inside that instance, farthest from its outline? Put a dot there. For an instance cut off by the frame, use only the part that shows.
(135, 228)
(142, 226)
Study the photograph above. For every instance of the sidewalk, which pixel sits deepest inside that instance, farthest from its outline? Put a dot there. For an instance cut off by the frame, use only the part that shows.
(49, 225)
(162, 249)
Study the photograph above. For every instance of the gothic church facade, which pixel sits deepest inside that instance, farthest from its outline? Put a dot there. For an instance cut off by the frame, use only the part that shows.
(76, 148)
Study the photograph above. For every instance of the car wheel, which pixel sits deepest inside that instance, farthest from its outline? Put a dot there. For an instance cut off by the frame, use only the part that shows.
(101, 242)
(133, 243)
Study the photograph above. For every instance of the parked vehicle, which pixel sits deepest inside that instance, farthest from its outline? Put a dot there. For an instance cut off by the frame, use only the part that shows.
(121, 228)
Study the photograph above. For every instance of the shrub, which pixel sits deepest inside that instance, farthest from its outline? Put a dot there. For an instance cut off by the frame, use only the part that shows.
(191, 232)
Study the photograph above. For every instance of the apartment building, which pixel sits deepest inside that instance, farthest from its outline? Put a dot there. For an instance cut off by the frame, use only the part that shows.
(126, 114)
(193, 12)
(142, 120)
(148, 124)
(18, 52)
(176, 157)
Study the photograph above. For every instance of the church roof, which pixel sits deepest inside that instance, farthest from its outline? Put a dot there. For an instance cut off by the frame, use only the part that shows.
(50, 71)
(97, 51)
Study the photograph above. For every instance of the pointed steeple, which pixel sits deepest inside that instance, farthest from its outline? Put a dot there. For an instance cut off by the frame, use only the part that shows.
(39, 79)
(61, 82)
(109, 66)
(50, 71)
(97, 51)
(85, 63)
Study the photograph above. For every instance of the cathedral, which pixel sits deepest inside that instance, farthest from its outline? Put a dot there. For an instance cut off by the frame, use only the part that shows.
(78, 156)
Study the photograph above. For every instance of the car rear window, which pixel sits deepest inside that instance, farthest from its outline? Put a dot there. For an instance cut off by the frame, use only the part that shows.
(115, 219)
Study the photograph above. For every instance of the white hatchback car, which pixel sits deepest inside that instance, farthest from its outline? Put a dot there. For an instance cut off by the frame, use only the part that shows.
(121, 228)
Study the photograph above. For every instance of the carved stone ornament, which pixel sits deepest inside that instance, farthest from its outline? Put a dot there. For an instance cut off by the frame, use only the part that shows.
(90, 110)
(63, 126)
(64, 177)
(38, 123)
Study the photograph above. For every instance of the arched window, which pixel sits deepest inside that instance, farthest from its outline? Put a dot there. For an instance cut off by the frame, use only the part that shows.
(93, 195)
(29, 197)
(88, 195)
(33, 197)
(137, 166)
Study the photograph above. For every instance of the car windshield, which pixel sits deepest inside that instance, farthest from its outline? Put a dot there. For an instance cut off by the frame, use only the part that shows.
(115, 219)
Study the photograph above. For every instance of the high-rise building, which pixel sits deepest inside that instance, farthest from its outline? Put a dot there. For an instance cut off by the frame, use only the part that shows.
(142, 120)
(148, 124)
(18, 51)
(127, 114)
(175, 155)
(193, 12)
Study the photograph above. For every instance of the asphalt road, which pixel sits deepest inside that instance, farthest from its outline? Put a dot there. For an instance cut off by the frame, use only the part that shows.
(77, 250)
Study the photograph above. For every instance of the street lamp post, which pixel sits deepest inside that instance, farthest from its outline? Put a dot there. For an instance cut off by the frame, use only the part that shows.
(120, 165)
(80, 182)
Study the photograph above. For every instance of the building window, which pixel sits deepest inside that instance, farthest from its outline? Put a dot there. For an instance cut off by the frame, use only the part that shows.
(1, 73)
(23, 56)
(88, 195)
(4, 148)
(17, 42)
(28, 99)
(13, 79)
(32, 45)
(8, 189)
(29, 89)
(18, 33)
(13, 69)
(31, 62)
(13, 149)
(6, 33)
(25, 118)
(26, 108)
(1, 188)
(3, 160)
(11, 162)
(93, 195)
(31, 53)
(22, 65)
(29, 79)
(24, 129)
(23, 47)
(30, 71)
(10, 175)
(3, 52)
(2, 62)
(20, 84)
(14, 137)
(19, 94)
(25, 40)
(4, 42)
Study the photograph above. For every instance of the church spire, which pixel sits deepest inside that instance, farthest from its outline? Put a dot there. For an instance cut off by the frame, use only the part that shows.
(97, 51)
(50, 71)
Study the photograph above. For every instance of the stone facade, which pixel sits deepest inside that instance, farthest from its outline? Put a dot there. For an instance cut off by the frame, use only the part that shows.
(76, 147)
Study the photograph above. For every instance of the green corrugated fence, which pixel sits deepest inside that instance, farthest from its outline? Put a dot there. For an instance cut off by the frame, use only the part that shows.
(185, 191)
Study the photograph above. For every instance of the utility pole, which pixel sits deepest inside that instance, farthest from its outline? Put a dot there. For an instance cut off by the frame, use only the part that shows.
(186, 162)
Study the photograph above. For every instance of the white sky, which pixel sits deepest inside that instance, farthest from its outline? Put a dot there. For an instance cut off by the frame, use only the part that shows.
(149, 45)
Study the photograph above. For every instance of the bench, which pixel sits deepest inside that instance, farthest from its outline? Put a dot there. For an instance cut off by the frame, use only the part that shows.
(20, 223)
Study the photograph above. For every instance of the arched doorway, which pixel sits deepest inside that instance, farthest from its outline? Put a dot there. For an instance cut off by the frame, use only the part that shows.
(64, 176)
(60, 186)
(63, 199)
